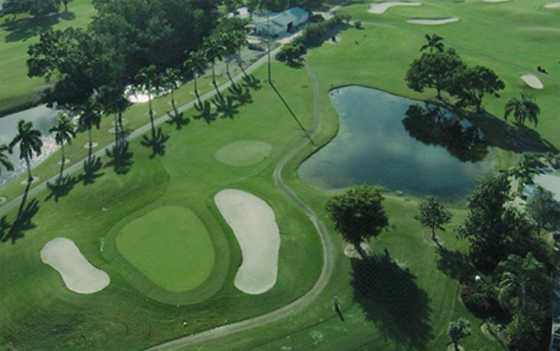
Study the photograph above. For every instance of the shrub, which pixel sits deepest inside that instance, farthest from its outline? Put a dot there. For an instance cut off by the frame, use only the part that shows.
(481, 302)
(358, 24)
(291, 53)
(316, 18)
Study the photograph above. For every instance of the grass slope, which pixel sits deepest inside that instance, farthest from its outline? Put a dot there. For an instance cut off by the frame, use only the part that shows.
(171, 246)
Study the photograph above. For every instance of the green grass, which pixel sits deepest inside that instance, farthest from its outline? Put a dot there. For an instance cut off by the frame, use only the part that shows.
(171, 246)
(124, 316)
(243, 153)
(16, 35)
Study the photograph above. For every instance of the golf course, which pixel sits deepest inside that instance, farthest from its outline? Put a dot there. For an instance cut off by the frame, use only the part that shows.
(213, 231)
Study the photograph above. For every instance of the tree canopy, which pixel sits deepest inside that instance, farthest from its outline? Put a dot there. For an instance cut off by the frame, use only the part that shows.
(433, 214)
(543, 209)
(358, 214)
(522, 109)
(470, 84)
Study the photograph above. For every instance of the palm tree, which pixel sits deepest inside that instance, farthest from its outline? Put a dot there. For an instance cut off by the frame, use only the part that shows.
(4, 161)
(196, 63)
(434, 42)
(63, 133)
(524, 108)
(214, 50)
(151, 81)
(90, 115)
(171, 81)
(30, 142)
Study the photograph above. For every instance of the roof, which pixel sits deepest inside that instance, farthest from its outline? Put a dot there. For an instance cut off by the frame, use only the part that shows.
(294, 14)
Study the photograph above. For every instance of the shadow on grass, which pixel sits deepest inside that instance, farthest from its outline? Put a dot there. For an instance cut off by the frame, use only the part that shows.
(178, 119)
(91, 170)
(455, 265)
(251, 82)
(240, 93)
(22, 223)
(225, 106)
(292, 113)
(392, 301)
(205, 112)
(25, 28)
(156, 142)
(120, 158)
(61, 187)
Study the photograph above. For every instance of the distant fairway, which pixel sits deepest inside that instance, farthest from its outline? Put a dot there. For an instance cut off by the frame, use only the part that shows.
(171, 246)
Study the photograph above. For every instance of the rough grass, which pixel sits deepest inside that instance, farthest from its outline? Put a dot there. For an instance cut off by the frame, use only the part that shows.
(171, 246)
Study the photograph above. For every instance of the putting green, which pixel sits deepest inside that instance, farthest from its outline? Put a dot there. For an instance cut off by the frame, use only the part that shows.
(170, 246)
(243, 152)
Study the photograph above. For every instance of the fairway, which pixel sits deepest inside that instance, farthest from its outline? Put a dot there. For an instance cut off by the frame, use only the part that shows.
(171, 246)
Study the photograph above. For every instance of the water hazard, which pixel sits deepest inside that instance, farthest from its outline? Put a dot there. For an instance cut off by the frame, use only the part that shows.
(399, 143)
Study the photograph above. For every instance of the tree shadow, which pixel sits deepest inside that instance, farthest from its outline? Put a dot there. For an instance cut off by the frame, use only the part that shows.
(91, 170)
(392, 301)
(156, 142)
(251, 82)
(26, 28)
(4, 227)
(178, 119)
(292, 113)
(241, 94)
(120, 158)
(434, 126)
(205, 112)
(455, 265)
(22, 223)
(225, 106)
(61, 187)
(500, 134)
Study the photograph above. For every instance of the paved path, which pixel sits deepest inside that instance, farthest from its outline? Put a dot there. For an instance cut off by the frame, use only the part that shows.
(78, 166)
(327, 245)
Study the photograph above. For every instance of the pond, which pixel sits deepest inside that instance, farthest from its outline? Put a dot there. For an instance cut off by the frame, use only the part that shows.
(401, 144)
(43, 118)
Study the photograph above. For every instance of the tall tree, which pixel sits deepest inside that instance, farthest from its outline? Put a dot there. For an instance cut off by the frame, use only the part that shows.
(196, 63)
(63, 133)
(172, 81)
(214, 50)
(434, 43)
(90, 116)
(358, 214)
(472, 83)
(458, 330)
(152, 83)
(433, 70)
(524, 108)
(543, 208)
(434, 215)
(30, 142)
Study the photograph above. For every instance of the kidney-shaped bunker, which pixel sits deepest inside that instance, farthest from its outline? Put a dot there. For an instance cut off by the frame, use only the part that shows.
(77, 273)
(254, 225)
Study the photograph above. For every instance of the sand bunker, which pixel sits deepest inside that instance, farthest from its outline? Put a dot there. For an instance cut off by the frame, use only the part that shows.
(77, 273)
(254, 225)
(384, 6)
(350, 250)
(243, 152)
(432, 21)
(495, 1)
(553, 5)
(140, 95)
(532, 81)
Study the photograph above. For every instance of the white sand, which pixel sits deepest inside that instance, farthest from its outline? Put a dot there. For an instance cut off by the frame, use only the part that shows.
(532, 81)
(384, 6)
(433, 21)
(77, 273)
(495, 1)
(553, 5)
(254, 225)
(141, 95)
(350, 250)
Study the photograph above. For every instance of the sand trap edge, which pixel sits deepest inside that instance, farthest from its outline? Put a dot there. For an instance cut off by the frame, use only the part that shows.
(532, 81)
(380, 8)
(432, 21)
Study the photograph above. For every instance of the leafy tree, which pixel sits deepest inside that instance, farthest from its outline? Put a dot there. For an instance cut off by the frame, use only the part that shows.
(522, 109)
(4, 161)
(470, 84)
(433, 215)
(433, 70)
(292, 53)
(434, 43)
(458, 330)
(63, 133)
(543, 208)
(358, 214)
(30, 142)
